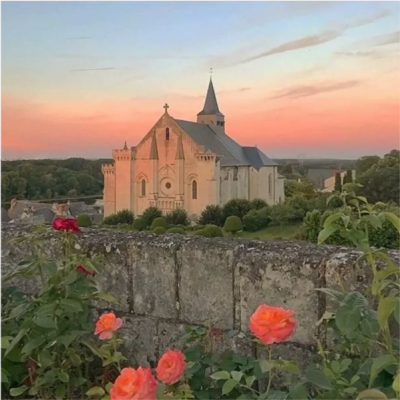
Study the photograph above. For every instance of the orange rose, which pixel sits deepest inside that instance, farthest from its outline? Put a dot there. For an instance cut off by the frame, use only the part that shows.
(106, 325)
(134, 384)
(272, 324)
(170, 367)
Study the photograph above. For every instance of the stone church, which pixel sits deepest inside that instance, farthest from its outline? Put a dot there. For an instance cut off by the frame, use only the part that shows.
(189, 165)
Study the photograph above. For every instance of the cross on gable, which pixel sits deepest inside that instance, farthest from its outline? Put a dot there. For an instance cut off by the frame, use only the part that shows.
(166, 106)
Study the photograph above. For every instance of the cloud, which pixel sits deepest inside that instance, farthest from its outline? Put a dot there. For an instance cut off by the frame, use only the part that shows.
(304, 42)
(315, 40)
(383, 40)
(312, 90)
(372, 54)
(92, 69)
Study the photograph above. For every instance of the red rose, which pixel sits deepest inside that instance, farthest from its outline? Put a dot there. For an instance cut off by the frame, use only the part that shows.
(84, 271)
(65, 224)
(170, 367)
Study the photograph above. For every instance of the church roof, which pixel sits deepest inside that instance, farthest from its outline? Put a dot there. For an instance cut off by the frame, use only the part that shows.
(231, 153)
(211, 104)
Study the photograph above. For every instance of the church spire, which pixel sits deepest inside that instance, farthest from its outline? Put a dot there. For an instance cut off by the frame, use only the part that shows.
(153, 148)
(125, 146)
(179, 149)
(210, 113)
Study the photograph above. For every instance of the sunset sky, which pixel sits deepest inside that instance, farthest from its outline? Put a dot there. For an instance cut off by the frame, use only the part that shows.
(298, 79)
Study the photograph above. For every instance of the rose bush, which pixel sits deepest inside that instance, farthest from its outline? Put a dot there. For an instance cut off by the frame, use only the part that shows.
(52, 349)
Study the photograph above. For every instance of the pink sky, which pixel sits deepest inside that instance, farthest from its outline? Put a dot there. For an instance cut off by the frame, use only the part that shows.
(338, 98)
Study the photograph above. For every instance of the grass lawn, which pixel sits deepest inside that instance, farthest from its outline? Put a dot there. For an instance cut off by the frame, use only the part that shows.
(273, 232)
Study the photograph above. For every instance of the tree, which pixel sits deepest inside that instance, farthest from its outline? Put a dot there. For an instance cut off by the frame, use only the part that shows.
(381, 181)
(349, 176)
(363, 164)
(338, 182)
(12, 185)
(304, 188)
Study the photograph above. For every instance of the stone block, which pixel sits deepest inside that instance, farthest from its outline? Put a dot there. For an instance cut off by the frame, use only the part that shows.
(281, 274)
(140, 340)
(154, 269)
(206, 283)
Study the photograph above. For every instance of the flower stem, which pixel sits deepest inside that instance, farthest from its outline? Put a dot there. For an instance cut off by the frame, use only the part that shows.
(115, 350)
(270, 372)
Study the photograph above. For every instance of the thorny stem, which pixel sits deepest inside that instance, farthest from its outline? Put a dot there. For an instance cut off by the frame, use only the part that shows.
(248, 387)
(115, 350)
(270, 372)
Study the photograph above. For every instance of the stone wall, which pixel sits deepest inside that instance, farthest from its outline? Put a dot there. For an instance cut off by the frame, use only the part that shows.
(166, 282)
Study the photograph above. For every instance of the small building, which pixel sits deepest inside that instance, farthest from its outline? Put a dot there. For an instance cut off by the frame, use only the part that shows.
(324, 179)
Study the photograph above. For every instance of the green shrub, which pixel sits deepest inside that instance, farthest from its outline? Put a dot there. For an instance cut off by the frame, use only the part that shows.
(281, 214)
(84, 220)
(233, 224)
(121, 217)
(312, 225)
(150, 214)
(178, 216)
(159, 230)
(212, 214)
(140, 224)
(214, 231)
(202, 232)
(257, 204)
(176, 229)
(255, 220)
(194, 228)
(159, 221)
(235, 207)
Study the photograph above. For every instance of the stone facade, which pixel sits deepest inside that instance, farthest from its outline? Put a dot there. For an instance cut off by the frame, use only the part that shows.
(182, 164)
(167, 282)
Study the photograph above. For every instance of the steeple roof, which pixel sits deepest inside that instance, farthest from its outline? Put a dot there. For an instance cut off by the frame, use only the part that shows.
(210, 105)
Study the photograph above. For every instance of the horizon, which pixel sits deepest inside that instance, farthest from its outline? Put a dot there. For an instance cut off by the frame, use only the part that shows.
(301, 80)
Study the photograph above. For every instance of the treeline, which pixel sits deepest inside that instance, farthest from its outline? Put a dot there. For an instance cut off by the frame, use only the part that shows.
(50, 179)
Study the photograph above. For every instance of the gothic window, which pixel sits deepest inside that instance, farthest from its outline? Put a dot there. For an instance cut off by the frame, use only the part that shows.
(235, 173)
(270, 184)
(167, 133)
(194, 190)
(143, 187)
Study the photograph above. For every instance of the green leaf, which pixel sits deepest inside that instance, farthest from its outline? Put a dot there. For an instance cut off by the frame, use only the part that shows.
(63, 376)
(326, 232)
(371, 394)
(265, 366)
(237, 376)
(385, 308)
(71, 305)
(347, 319)
(15, 341)
(4, 376)
(19, 310)
(298, 392)
(335, 366)
(18, 391)
(71, 278)
(32, 344)
(66, 340)
(110, 385)
(60, 392)
(318, 378)
(228, 386)
(5, 341)
(220, 375)
(394, 219)
(45, 359)
(379, 364)
(287, 366)
(332, 218)
(250, 380)
(106, 297)
(396, 384)
(45, 322)
(96, 391)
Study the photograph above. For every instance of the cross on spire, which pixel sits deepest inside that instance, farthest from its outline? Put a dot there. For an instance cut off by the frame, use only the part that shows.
(166, 106)
(211, 72)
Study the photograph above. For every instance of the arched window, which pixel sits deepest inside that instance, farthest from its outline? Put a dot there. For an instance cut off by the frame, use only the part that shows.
(194, 190)
(270, 184)
(143, 187)
(167, 133)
